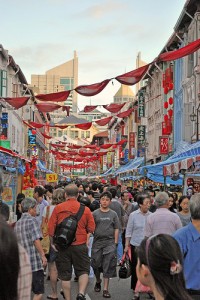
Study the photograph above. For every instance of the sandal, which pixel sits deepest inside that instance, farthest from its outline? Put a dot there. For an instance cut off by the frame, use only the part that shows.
(106, 294)
(97, 287)
(80, 297)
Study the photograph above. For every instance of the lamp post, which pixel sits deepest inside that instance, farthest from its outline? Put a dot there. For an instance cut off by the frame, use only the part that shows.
(194, 117)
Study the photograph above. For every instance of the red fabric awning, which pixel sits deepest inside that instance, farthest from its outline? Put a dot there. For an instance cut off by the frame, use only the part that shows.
(132, 77)
(126, 113)
(47, 107)
(104, 121)
(17, 102)
(174, 168)
(8, 151)
(54, 97)
(173, 55)
(59, 126)
(27, 124)
(46, 136)
(36, 125)
(57, 145)
(122, 142)
(114, 108)
(84, 126)
(106, 146)
(74, 147)
(89, 108)
(93, 89)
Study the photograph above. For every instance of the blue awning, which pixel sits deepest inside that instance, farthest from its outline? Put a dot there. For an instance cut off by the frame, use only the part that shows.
(130, 166)
(41, 166)
(108, 172)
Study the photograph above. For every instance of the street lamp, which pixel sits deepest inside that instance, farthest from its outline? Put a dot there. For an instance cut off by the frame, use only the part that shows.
(194, 117)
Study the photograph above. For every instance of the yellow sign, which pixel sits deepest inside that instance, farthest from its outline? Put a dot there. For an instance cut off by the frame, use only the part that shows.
(52, 177)
(28, 192)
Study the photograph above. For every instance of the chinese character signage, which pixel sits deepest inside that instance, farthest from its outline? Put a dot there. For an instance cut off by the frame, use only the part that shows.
(4, 124)
(32, 137)
(131, 144)
(141, 133)
(141, 100)
(164, 145)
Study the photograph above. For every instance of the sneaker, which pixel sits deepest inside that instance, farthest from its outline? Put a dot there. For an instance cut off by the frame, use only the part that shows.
(80, 297)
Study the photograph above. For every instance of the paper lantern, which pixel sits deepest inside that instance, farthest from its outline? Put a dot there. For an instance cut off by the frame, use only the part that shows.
(166, 105)
(171, 86)
(166, 118)
(170, 112)
(166, 90)
(171, 100)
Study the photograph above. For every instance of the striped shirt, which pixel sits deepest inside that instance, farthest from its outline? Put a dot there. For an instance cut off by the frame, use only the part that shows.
(27, 231)
(162, 221)
(25, 276)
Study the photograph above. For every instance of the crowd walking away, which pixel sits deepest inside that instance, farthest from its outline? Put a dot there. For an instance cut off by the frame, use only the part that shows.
(87, 230)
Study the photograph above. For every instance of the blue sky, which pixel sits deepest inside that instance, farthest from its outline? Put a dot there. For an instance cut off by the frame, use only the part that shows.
(107, 35)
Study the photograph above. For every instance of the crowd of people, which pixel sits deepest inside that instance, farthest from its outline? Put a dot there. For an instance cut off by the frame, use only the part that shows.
(160, 230)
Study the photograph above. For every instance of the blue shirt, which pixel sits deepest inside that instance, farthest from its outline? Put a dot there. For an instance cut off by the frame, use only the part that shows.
(189, 241)
(135, 227)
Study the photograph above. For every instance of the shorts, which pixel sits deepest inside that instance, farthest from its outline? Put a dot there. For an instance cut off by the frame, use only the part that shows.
(105, 260)
(52, 255)
(38, 282)
(76, 256)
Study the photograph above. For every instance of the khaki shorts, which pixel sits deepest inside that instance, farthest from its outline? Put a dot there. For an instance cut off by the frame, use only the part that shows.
(76, 256)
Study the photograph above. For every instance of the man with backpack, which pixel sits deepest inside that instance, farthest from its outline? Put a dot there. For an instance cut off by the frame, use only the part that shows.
(72, 251)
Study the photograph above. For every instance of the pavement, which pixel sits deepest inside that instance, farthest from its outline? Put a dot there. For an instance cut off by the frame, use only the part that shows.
(118, 288)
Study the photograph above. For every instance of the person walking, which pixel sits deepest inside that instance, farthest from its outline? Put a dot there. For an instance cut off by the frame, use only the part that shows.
(105, 241)
(135, 234)
(184, 210)
(28, 235)
(76, 254)
(162, 220)
(188, 238)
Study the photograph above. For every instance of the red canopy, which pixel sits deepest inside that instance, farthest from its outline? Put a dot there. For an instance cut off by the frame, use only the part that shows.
(126, 113)
(57, 145)
(106, 146)
(59, 126)
(55, 97)
(89, 108)
(104, 121)
(17, 102)
(93, 89)
(47, 107)
(36, 125)
(84, 126)
(132, 77)
(114, 108)
(46, 136)
(172, 55)
(74, 147)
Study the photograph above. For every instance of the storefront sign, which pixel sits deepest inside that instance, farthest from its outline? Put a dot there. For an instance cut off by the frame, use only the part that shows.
(141, 102)
(131, 144)
(163, 145)
(52, 177)
(31, 137)
(141, 133)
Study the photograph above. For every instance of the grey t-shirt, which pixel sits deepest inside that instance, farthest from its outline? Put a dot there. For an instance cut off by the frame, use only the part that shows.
(106, 223)
(118, 208)
(185, 219)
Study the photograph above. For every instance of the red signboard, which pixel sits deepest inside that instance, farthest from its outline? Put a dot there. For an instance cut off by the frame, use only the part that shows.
(131, 144)
(164, 145)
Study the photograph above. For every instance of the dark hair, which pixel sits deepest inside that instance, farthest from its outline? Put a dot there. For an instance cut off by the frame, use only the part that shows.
(90, 193)
(180, 200)
(113, 191)
(175, 196)
(85, 201)
(141, 197)
(49, 188)
(9, 263)
(20, 197)
(94, 186)
(124, 192)
(158, 253)
(40, 190)
(4, 211)
(106, 193)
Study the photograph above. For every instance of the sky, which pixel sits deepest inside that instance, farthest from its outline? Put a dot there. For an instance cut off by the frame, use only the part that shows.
(107, 35)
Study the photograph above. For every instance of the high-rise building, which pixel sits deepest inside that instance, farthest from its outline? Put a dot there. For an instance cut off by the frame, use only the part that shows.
(60, 78)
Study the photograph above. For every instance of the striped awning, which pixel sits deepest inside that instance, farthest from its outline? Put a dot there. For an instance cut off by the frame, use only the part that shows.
(184, 164)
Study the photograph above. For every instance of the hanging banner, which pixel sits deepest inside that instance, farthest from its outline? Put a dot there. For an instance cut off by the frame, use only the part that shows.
(141, 102)
(131, 144)
(163, 145)
(141, 133)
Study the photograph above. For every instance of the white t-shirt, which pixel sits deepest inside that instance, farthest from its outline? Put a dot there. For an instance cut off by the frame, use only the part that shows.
(51, 208)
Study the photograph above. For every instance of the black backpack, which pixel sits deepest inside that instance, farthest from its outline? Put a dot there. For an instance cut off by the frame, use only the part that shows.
(65, 233)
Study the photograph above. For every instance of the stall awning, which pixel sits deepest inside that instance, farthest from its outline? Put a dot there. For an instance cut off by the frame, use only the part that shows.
(42, 167)
(130, 166)
(184, 164)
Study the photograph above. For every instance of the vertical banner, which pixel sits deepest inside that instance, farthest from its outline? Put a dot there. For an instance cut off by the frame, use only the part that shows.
(141, 104)
(141, 133)
(163, 145)
(131, 144)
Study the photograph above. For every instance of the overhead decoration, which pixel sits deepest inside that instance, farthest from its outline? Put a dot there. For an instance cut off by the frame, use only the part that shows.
(27, 124)
(104, 121)
(114, 108)
(126, 113)
(54, 97)
(36, 125)
(49, 107)
(84, 126)
(59, 126)
(17, 102)
(132, 77)
(57, 145)
(89, 108)
(93, 89)
(46, 136)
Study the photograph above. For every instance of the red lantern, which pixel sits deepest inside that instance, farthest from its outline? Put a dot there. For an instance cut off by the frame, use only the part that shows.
(166, 90)
(171, 86)
(166, 105)
(171, 100)
(170, 112)
(33, 131)
(166, 118)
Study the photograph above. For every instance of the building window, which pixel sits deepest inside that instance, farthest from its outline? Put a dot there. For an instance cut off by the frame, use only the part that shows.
(3, 83)
(15, 90)
(13, 134)
(82, 134)
(87, 134)
(59, 133)
(190, 65)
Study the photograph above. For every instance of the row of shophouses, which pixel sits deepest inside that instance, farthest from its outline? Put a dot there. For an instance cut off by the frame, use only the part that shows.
(165, 110)
(167, 105)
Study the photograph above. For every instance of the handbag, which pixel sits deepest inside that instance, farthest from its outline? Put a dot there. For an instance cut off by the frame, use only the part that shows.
(45, 242)
(125, 270)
